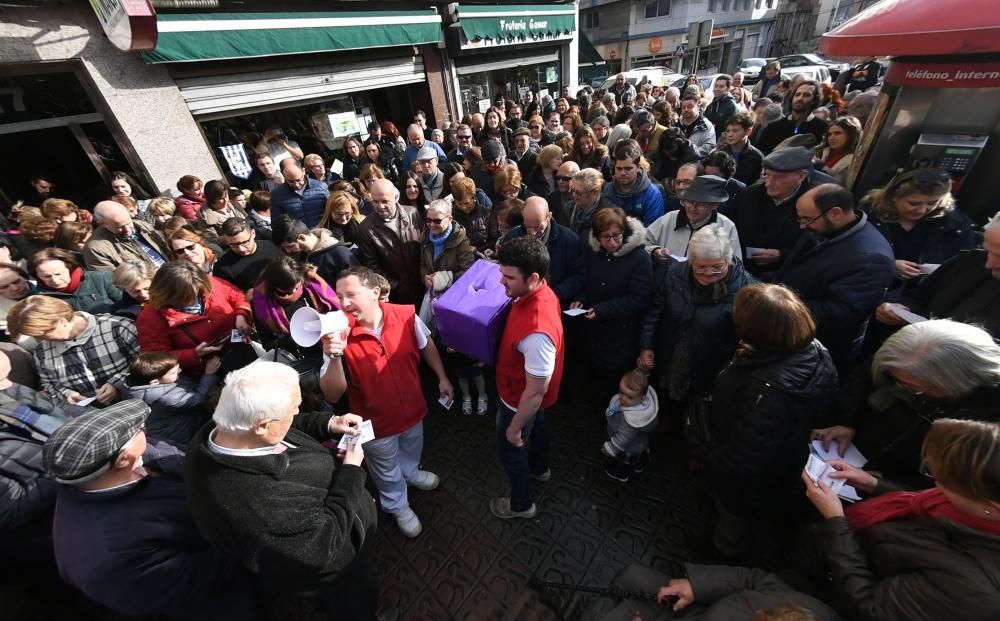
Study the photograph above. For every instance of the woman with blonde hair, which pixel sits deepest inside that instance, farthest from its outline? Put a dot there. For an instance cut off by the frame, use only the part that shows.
(161, 209)
(342, 217)
(542, 179)
(134, 278)
(77, 356)
(917, 215)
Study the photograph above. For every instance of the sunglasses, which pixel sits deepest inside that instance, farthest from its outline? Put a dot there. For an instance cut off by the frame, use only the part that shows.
(469, 137)
(563, 178)
(434, 220)
(285, 292)
(535, 126)
(185, 249)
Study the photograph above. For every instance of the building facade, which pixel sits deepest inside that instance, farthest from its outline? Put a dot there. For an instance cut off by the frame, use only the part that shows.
(642, 33)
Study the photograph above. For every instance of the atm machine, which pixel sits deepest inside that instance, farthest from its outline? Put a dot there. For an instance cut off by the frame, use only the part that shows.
(939, 104)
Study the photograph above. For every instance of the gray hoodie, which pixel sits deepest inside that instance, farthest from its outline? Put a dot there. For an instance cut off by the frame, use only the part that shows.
(176, 410)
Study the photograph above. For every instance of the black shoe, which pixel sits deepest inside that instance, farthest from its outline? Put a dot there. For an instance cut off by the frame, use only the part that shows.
(640, 462)
(616, 470)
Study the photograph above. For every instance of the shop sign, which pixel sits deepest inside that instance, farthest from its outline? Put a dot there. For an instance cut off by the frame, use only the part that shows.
(543, 93)
(944, 75)
(551, 75)
(344, 124)
(522, 92)
(655, 45)
(484, 105)
(129, 24)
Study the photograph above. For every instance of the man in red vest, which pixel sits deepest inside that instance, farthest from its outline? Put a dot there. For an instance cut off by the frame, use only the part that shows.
(382, 350)
(529, 369)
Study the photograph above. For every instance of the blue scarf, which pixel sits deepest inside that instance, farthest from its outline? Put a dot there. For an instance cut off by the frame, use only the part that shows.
(438, 242)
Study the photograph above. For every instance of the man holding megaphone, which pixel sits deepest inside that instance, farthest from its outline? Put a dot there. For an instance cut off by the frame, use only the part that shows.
(380, 352)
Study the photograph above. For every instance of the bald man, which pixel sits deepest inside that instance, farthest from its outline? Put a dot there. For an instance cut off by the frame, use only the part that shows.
(414, 141)
(119, 238)
(567, 270)
(561, 199)
(389, 243)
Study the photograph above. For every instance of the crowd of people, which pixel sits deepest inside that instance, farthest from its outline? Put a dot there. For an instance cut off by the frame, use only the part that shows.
(721, 283)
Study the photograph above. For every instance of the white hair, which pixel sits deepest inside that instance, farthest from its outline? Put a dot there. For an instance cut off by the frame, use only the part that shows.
(710, 242)
(260, 391)
(993, 222)
(441, 206)
(956, 357)
(676, 92)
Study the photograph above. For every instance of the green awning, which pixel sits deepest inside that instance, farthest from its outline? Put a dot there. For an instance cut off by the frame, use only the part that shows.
(217, 36)
(588, 53)
(518, 21)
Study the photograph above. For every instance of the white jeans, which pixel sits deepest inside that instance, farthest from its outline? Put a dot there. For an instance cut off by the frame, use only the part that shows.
(392, 461)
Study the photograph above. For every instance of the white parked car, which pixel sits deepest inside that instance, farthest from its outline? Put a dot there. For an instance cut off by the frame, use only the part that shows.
(655, 75)
(707, 84)
(751, 68)
(813, 66)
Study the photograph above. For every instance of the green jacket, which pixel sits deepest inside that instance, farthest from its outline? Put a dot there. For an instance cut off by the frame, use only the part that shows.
(95, 294)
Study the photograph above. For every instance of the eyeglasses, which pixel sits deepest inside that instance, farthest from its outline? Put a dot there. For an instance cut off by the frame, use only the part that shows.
(611, 236)
(341, 214)
(243, 244)
(807, 221)
(534, 127)
(189, 249)
(564, 179)
(709, 271)
(435, 220)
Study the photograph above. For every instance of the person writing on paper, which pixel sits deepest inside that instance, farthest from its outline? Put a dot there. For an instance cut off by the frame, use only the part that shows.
(917, 215)
(381, 354)
(529, 372)
(926, 371)
(759, 419)
(926, 555)
(965, 288)
(265, 492)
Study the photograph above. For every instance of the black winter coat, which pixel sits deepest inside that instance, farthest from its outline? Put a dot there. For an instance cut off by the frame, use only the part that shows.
(913, 568)
(932, 240)
(749, 165)
(762, 224)
(842, 280)
(479, 224)
(761, 418)
(666, 166)
(537, 183)
(961, 289)
(674, 315)
(567, 269)
(295, 519)
(619, 287)
(891, 437)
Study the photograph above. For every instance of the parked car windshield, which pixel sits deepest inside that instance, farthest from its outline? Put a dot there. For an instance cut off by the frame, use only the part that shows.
(753, 62)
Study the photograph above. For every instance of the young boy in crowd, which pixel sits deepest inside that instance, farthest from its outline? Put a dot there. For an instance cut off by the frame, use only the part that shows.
(176, 403)
(631, 416)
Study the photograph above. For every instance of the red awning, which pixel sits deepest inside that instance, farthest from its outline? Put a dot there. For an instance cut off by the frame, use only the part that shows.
(918, 28)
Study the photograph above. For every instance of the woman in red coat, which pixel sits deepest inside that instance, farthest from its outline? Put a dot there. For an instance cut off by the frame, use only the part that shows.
(189, 312)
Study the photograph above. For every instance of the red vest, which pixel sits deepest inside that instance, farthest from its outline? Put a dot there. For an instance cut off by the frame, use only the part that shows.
(536, 312)
(385, 376)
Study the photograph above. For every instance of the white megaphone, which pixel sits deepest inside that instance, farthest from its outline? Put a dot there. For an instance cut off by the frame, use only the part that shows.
(308, 326)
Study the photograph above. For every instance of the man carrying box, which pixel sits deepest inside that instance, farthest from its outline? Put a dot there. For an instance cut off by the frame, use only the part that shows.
(529, 370)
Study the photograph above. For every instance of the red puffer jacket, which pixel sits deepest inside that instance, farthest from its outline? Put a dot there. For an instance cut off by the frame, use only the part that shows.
(177, 332)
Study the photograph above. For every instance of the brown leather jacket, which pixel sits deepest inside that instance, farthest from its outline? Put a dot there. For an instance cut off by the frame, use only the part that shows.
(394, 255)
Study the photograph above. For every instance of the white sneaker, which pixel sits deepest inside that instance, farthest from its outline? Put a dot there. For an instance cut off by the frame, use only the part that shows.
(424, 480)
(409, 523)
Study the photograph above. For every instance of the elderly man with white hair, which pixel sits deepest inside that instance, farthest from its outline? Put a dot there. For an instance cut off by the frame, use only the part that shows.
(265, 492)
(415, 141)
(118, 237)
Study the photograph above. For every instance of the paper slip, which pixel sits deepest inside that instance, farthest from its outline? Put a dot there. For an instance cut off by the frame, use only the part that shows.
(904, 314)
(337, 166)
(446, 402)
(852, 455)
(929, 268)
(678, 259)
(85, 402)
(366, 434)
(574, 312)
(819, 470)
(235, 336)
(752, 251)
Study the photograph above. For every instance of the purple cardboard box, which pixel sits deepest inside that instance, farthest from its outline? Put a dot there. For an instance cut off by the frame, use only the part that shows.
(472, 313)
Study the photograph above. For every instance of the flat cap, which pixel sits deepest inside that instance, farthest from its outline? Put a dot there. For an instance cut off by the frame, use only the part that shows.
(492, 150)
(789, 158)
(706, 189)
(83, 445)
(522, 131)
(426, 153)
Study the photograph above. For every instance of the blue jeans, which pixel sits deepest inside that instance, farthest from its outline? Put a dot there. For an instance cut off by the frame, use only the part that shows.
(521, 463)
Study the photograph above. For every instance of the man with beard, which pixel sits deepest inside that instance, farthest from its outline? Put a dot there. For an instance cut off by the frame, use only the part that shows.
(696, 127)
(389, 243)
(631, 188)
(800, 121)
(515, 120)
(841, 268)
